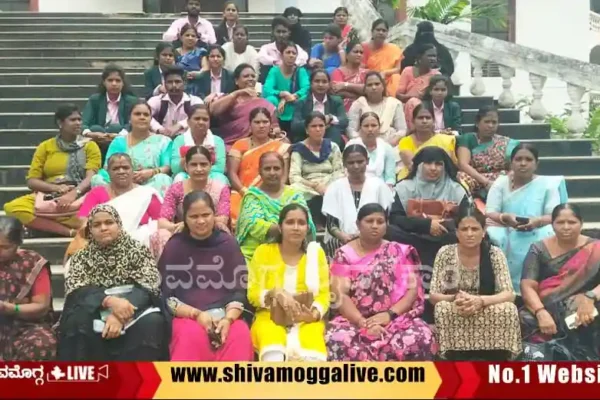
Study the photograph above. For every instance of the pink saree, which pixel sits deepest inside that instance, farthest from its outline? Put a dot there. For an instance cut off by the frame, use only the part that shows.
(377, 282)
(235, 124)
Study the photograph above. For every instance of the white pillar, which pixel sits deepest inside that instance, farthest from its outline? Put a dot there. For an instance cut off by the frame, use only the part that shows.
(537, 111)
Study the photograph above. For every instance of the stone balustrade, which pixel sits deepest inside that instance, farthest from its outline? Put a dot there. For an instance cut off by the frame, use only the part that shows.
(579, 76)
(594, 22)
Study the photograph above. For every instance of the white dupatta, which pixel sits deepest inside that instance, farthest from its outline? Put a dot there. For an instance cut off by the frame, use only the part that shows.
(376, 164)
(209, 139)
(338, 202)
(131, 207)
(294, 350)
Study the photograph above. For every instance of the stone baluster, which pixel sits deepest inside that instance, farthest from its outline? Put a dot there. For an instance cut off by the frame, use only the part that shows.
(537, 111)
(477, 85)
(455, 76)
(576, 122)
(506, 98)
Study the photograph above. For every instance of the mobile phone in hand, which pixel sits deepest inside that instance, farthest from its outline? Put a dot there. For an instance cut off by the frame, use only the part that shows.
(522, 220)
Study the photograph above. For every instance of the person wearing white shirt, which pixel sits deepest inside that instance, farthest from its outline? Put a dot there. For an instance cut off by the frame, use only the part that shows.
(238, 51)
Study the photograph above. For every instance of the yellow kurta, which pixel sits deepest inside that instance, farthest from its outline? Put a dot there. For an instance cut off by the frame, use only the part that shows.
(268, 271)
(49, 164)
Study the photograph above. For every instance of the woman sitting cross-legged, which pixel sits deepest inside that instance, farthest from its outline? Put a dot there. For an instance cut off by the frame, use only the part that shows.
(150, 153)
(112, 308)
(425, 204)
(199, 134)
(286, 85)
(59, 176)
(262, 204)
(244, 157)
(232, 111)
(382, 157)
(106, 113)
(344, 197)
(315, 163)
(520, 205)
(209, 319)
(561, 278)
(473, 295)
(318, 99)
(198, 165)
(484, 155)
(380, 297)
(138, 206)
(288, 283)
(414, 81)
(25, 299)
(388, 108)
(423, 135)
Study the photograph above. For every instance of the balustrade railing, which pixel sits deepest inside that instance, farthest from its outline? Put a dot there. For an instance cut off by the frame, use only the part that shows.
(579, 76)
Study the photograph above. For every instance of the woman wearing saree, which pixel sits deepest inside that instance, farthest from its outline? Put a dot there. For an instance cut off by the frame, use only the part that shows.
(199, 134)
(198, 165)
(388, 108)
(190, 57)
(484, 155)
(150, 153)
(288, 284)
(340, 18)
(383, 57)
(315, 163)
(382, 157)
(422, 136)
(519, 206)
(25, 299)
(380, 298)
(208, 323)
(414, 80)
(261, 205)
(344, 197)
(232, 111)
(560, 279)
(348, 81)
(244, 157)
(473, 296)
(138, 206)
(425, 204)
(110, 284)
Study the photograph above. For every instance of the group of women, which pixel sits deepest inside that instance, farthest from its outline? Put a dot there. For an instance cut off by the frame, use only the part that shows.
(206, 242)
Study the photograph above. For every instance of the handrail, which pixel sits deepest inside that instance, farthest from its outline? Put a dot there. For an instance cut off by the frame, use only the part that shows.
(512, 55)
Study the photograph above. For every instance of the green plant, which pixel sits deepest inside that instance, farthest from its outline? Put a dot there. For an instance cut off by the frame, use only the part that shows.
(449, 11)
(593, 129)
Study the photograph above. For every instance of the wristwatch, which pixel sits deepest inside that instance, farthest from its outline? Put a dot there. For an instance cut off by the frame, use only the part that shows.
(393, 315)
(591, 295)
(78, 192)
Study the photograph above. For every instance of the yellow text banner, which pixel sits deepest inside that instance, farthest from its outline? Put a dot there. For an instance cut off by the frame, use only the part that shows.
(297, 380)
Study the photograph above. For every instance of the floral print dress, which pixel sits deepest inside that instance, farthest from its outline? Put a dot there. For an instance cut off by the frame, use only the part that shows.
(377, 282)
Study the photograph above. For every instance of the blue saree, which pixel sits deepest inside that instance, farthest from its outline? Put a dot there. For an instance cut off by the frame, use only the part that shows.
(537, 198)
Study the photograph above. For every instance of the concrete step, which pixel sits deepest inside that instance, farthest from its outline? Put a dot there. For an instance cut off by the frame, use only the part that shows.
(25, 137)
(9, 193)
(16, 155)
(53, 249)
(70, 34)
(517, 131)
(507, 115)
(32, 93)
(90, 69)
(54, 79)
(558, 147)
(473, 102)
(115, 51)
(76, 62)
(583, 186)
(586, 165)
(257, 38)
(44, 105)
(141, 27)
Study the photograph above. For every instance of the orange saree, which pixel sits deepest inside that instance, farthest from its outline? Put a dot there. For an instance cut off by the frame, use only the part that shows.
(387, 57)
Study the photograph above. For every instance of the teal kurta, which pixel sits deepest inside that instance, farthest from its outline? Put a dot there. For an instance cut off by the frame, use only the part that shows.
(217, 172)
(277, 83)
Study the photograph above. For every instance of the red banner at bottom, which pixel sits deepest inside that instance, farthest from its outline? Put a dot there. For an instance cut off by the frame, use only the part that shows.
(464, 380)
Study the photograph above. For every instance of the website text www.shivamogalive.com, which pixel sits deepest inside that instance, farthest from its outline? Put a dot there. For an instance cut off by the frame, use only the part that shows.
(323, 375)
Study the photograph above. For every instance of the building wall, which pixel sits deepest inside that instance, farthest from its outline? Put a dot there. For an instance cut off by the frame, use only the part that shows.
(307, 6)
(14, 5)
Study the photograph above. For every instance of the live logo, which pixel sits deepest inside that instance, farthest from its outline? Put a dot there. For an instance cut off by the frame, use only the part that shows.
(81, 373)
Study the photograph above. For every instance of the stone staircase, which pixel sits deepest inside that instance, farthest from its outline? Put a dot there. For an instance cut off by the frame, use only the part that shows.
(57, 58)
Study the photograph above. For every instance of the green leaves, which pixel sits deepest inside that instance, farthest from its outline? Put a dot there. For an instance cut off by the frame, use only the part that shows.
(449, 11)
